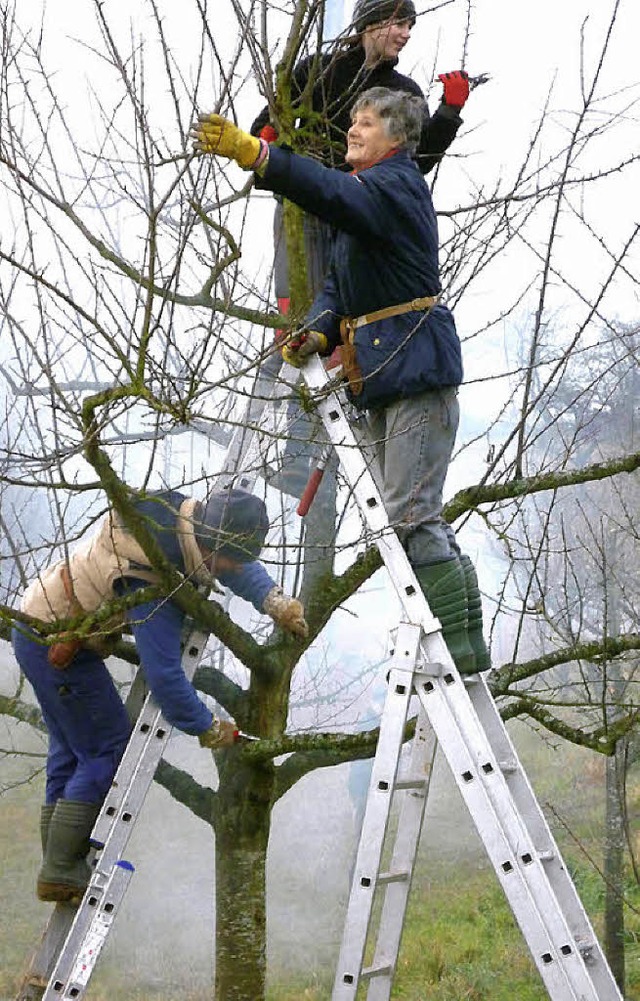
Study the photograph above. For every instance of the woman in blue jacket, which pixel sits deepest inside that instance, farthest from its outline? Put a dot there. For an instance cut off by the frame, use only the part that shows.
(401, 351)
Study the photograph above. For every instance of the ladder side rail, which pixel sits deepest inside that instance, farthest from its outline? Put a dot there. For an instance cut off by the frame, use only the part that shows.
(71, 976)
(369, 499)
(149, 738)
(119, 813)
(244, 447)
(43, 960)
(522, 792)
(377, 812)
(62, 916)
(557, 910)
(507, 818)
(404, 855)
(520, 872)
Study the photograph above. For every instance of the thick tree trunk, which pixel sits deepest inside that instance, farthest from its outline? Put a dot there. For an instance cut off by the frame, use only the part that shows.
(614, 867)
(243, 810)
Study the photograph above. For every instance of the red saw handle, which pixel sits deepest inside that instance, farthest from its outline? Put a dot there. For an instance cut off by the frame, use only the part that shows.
(310, 491)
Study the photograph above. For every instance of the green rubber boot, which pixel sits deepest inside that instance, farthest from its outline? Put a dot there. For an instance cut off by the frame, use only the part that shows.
(46, 813)
(474, 614)
(65, 873)
(444, 588)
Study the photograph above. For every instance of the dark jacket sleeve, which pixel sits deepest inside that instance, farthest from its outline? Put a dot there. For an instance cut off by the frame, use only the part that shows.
(438, 132)
(157, 631)
(326, 311)
(298, 83)
(260, 122)
(250, 581)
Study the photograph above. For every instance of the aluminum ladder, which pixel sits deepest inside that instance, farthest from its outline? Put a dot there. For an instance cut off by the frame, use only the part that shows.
(485, 766)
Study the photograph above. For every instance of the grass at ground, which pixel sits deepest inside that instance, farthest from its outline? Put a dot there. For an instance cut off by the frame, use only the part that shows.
(460, 940)
(461, 943)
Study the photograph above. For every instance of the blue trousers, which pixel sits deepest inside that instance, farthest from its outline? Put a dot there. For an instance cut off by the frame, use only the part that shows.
(86, 719)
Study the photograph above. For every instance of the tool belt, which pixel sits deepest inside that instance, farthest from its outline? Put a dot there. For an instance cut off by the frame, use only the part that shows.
(349, 325)
(61, 654)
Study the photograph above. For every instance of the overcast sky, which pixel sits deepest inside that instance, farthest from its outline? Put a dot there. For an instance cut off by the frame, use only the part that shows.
(533, 52)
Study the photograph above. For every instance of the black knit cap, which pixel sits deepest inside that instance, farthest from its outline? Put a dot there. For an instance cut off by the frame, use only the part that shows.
(367, 12)
(233, 523)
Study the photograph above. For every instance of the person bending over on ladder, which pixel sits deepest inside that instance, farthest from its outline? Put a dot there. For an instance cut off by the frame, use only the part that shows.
(88, 726)
(400, 349)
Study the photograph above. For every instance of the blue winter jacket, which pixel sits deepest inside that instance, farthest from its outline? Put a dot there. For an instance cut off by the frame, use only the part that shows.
(385, 253)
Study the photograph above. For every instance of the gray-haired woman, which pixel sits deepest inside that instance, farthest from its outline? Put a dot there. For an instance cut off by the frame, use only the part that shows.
(401, 351)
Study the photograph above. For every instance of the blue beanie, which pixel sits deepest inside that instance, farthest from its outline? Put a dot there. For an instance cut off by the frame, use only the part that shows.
(233, 523)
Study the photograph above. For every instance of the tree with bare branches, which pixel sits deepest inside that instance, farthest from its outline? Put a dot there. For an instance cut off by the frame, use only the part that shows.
(137, 329)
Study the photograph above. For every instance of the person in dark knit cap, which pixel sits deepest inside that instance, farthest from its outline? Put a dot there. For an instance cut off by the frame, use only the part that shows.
(367, 58)
(215, 540)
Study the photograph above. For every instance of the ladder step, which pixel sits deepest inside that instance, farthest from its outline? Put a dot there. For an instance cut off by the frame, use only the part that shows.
(401, 876)
(419, 784)
(370, 972)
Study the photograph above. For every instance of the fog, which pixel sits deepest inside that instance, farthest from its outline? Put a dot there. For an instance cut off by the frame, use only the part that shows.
(163, 935)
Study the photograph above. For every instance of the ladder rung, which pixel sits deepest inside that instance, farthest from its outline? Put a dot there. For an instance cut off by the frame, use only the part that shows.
(409, 783)
(369, 972)
(401, 876)
(431, 669)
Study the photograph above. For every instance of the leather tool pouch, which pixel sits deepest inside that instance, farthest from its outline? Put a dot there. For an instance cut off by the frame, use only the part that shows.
(61, 654)
(350, 365)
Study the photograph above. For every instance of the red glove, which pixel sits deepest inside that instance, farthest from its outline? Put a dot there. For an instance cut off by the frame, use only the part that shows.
(268, 133)
(456, 88)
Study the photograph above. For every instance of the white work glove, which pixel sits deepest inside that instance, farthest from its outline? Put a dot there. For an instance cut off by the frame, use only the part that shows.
(286, 612)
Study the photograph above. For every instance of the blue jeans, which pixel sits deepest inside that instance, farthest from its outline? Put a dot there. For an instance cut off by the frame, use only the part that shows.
(413, 440)
(86, 719)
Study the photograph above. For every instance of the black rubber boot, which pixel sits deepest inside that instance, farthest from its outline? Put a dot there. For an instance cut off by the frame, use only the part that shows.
(46, 813)
(444, 588)
(474, 614)
(65, 873)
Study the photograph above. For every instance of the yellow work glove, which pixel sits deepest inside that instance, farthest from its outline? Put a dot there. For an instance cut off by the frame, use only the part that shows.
(288, 613)
(217, 135)
(221, 733)
(303, 345)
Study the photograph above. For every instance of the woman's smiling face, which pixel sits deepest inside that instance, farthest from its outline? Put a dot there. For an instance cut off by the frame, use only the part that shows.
(367, 139)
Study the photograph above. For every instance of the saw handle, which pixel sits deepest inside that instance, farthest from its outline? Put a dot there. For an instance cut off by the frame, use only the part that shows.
(310, 490)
